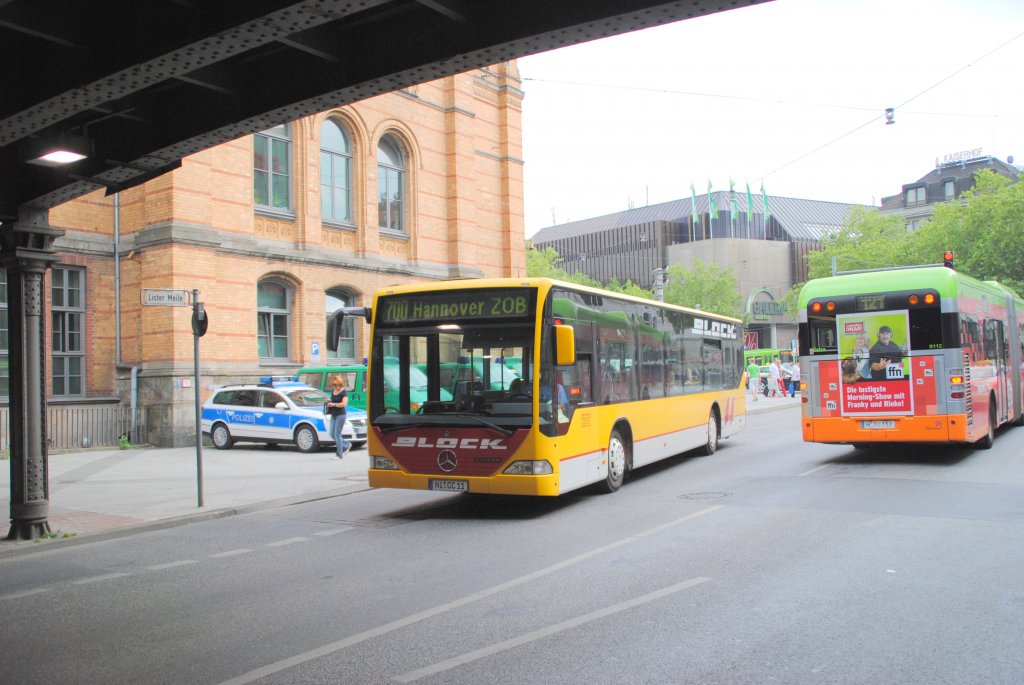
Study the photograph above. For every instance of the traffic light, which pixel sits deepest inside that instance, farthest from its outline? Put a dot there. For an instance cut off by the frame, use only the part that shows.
(947, 259)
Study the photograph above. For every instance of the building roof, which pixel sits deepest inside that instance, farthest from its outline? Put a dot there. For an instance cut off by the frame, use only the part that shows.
(799, 219)
(962, 172)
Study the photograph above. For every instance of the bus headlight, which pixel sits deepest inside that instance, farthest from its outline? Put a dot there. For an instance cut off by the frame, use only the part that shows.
(383, 463)
(528, 468)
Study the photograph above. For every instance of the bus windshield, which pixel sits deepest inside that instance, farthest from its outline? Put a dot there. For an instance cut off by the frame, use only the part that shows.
(472, 376)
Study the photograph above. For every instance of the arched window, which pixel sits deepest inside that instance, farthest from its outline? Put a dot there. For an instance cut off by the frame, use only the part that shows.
(273, 315)
(390, 185)
(343, 345)
(335, 173)
(272, 163)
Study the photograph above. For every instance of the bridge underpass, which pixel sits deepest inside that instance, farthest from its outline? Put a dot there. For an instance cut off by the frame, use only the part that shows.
(135, 87)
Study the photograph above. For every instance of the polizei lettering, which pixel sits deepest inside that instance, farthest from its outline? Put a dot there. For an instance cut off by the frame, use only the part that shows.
(451, 443)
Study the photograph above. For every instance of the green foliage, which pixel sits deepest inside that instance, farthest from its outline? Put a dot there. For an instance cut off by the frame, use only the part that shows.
(125, 443)
(54, 534)
(708, 286)
(544, 263)
(985, 230)
(865, 241)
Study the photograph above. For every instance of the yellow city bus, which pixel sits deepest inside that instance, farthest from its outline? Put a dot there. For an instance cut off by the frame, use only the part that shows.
(914, 354)
(608, 383)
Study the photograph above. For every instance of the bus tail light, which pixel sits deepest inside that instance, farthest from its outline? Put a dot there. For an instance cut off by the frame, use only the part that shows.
(956, 384)
(383, 463)
(528, 468)
(913, 299)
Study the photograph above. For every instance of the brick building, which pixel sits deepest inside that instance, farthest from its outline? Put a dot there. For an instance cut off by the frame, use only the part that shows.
(275, 231)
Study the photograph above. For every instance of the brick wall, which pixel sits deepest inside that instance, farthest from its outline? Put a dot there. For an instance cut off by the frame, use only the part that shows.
(197, 228)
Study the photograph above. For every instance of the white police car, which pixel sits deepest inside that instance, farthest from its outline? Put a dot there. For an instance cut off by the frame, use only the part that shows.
(275, 411)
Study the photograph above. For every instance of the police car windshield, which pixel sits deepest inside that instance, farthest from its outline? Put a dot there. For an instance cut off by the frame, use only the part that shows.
(307, 397)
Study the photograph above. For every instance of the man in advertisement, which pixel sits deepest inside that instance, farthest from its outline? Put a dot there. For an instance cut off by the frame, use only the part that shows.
(883, 354)
(886, 391)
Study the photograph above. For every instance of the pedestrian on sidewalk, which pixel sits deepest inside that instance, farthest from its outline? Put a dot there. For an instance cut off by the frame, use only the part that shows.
(753, 380)
(775, 387)
(336, 409)
(794, 380)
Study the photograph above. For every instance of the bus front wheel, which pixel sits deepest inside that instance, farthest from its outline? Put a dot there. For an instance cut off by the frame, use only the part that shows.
(616, 463)
(712, 443)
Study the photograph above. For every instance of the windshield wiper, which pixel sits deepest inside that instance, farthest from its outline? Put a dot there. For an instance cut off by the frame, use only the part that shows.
(424, 424)
(504, 431)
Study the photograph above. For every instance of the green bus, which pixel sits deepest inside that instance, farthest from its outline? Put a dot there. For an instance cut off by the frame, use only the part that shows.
(915, 354)
(354, 376)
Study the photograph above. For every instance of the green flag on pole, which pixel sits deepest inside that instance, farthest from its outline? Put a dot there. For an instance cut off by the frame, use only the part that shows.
(711, 201)
(732, 199)
(693, 204)
(764, 198)
(750, 204)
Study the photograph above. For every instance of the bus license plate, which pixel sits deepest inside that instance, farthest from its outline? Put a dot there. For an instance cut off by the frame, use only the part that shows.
(449, 485)
(877, 424)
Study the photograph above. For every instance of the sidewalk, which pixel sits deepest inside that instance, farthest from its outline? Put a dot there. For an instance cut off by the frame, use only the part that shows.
(102, 494)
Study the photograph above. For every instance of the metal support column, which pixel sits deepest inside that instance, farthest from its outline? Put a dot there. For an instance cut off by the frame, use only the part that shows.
(26, 254)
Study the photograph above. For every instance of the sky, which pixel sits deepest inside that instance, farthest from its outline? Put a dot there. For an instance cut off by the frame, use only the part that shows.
(790, 94)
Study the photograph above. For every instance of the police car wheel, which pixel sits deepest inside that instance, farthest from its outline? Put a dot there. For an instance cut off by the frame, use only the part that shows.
(306, 440)
(221, 437)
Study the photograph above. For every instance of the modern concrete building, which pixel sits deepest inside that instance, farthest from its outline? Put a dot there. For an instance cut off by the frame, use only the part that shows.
(767, 251)
(276, 231)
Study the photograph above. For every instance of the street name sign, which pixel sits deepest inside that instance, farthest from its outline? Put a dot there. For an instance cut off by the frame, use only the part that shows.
(166, 298)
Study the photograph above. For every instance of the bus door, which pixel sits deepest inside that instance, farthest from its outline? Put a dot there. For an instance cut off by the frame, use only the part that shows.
(996, 342)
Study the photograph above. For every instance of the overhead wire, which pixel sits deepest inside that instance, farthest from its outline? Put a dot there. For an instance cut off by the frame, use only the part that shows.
(802, 104)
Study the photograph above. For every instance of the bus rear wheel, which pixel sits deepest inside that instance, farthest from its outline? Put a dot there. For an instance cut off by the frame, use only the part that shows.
(616, 463)
(711, 446)
(990, 437)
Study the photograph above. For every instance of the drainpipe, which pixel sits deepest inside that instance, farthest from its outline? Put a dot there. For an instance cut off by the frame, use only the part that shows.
(117, 315)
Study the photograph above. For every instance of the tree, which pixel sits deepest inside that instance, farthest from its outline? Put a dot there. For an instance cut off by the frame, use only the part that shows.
(865, 241)
(544, 263)
(984, 230)
(707, 286)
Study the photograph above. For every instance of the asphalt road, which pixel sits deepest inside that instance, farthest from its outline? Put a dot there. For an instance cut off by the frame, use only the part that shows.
(772, 561)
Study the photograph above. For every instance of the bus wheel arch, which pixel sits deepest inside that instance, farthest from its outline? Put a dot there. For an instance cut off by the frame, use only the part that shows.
(619, 456)
(989, 438)
(714, 431)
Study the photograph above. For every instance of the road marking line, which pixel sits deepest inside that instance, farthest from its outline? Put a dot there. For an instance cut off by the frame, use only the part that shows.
(372, 633)
(232, 553)
(96, 579)
(24, 593)
(334, 531)
(526, 638)
(816, 468)
(171, 564)
(289, 541)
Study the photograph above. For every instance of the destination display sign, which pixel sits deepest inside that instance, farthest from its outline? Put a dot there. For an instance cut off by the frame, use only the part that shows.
(456, 305)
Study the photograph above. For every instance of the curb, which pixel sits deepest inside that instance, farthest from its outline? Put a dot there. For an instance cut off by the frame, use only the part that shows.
(20, 548)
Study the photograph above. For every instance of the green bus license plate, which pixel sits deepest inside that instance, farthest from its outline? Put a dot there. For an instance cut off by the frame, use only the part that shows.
(877, 424)
(449, 485)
